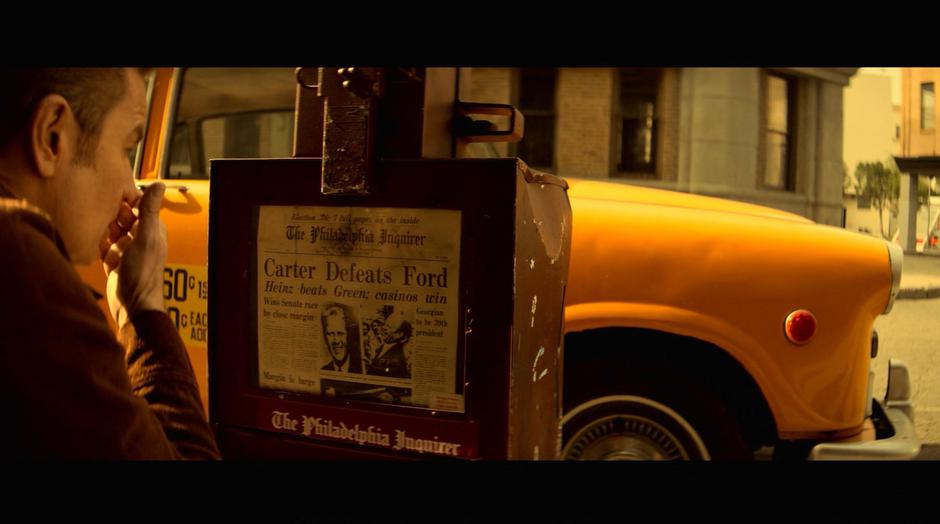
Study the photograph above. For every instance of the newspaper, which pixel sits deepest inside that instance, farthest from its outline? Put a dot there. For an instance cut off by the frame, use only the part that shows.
(360, 303)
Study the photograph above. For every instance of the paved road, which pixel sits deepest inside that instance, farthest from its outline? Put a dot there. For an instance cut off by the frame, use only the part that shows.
(911, 332)
(921, 276)
(929, 452)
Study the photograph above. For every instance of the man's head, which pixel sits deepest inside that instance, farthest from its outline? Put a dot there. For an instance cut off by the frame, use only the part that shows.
(403, 333)
(65, 139)
(334, 329)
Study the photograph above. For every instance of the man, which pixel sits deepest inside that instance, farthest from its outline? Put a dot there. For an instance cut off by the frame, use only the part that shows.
(67, 388)
(375, 336)
(390, 360)
(336, 334)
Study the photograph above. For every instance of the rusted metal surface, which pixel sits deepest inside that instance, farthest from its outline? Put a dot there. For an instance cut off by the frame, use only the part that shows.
(540, 272)
(352, 116)
(350, 97)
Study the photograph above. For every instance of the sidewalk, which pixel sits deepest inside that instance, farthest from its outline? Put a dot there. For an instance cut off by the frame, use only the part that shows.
(920, 277)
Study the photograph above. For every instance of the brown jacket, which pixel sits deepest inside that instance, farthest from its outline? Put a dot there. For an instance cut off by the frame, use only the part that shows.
(67, 387)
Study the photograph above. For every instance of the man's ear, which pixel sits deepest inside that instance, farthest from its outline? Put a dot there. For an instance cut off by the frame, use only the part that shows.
(52, 135)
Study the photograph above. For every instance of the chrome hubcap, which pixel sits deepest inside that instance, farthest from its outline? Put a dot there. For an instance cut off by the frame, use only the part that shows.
(625, 437)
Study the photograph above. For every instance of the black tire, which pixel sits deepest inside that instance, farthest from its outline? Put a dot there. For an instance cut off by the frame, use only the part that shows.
(647, 410)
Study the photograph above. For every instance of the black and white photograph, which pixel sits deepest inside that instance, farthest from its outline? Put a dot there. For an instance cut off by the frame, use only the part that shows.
(341, 339)
(387, 333)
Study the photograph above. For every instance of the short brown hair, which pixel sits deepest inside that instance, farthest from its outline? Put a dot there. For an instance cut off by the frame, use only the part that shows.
(91, 92)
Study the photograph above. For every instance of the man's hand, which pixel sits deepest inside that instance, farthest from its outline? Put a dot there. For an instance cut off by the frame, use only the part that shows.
(134, 257)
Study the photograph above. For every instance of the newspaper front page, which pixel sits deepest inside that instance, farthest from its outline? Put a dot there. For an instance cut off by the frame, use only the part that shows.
(360, 303)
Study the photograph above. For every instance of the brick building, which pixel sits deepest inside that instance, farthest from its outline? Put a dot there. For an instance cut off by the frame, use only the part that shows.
(768, 136)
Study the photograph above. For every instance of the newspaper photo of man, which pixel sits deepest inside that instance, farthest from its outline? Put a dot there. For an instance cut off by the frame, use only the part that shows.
(341, 338)
(387, 348)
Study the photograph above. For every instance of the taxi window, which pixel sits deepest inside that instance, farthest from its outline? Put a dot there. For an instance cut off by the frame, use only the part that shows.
(231, 113)
(134, 157)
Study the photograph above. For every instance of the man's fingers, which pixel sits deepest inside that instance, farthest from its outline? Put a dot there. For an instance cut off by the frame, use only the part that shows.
(107, 242)
(112, 259)
(103, 247)
(126, 217)
(149, 209)
(116, 231)
(123, 223)
(152, 199)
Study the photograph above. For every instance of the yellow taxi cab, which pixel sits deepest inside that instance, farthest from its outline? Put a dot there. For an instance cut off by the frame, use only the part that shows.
(695, 327)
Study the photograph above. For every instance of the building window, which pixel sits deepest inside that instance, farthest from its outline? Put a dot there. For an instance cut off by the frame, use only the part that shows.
(927, 105)
(636, 121)
(537, 104)
(779, 123)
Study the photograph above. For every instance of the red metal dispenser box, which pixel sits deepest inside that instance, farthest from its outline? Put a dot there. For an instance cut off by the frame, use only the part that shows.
(421, 320)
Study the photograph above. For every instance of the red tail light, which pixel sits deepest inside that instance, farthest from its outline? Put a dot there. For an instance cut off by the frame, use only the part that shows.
(800, 326)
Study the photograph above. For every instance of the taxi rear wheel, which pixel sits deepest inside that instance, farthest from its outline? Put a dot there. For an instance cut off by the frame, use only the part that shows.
(650, 412)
